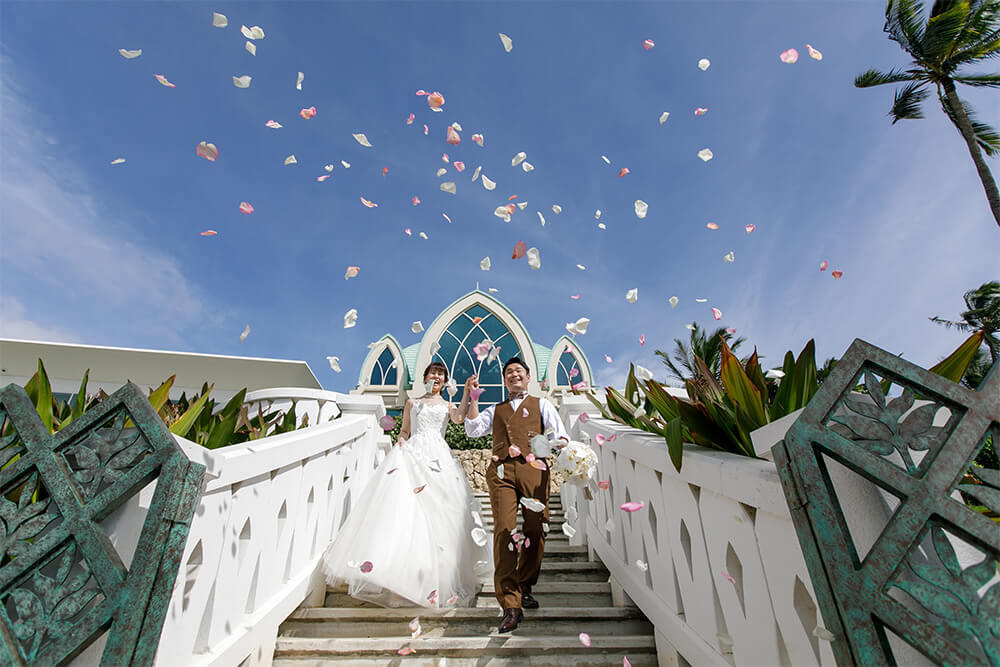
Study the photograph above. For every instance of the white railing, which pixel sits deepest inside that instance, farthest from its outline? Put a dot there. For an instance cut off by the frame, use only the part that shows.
(268, 511)
(720, 572)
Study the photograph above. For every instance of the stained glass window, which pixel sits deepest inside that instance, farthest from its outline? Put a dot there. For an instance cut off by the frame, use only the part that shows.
(457, 342)
(568, 369)
(384, 371)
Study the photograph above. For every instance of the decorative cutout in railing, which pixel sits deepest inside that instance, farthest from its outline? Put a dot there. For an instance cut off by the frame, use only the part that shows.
(62, 582)
(921, 579)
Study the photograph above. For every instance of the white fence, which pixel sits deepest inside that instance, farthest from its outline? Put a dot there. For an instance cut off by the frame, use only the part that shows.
(712, 559)
(268, 511)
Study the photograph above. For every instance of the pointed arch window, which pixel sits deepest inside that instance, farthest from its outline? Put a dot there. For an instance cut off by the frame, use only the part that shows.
(384, 371)
(569, 369)
(466, 331)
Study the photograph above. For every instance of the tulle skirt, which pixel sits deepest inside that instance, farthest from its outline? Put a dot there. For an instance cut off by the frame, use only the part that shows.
(415, 536)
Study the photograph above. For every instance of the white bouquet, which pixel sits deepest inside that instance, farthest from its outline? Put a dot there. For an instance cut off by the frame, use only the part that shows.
(578, 463)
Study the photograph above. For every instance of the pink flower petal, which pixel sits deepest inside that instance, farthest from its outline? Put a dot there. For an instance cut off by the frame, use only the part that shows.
(478, 138)
(712, 226)
(623, 172)
(519, 249)
(625, 662)
(607, 358)
(422, 92)
(514, 451)
(207, 151)
(245, 207)
(610, 438)
(585, 639)
(730, 330)
(415, 201)
(162, 79)
(496, 458)
(580, 385)
(323, 177)
(369, 204)
(385, 170)
(529, 457)
(408, 231)
(419, 488)
(409, 121)
(750, 228)
(790, 56)
(273, 124)
(700, 111)
(648, 44)
(308, 113)
(716, 313)
(453, 136)
(524, 412)
(351, 272)
(600, 439)
(584, 418)
(459, 166)
(538, 464)
(642, 339)
(728, 577)
(432, 597)
(406, 650)
(632, 506)
(453, 599)
(573, 372)
(435, 100)
(209, 232)
(426, 130)
(604, 484)
(813, 53)
(476, 393)
(387, 423)
(367, 566)
(837, 274)
(823, 265)
(574, 296)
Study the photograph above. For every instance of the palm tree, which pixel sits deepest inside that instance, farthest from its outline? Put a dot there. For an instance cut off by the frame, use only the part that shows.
(701, 344)
(982, 314)
(957, 33)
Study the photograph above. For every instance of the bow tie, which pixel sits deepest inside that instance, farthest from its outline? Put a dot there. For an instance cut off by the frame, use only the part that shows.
(522, 395)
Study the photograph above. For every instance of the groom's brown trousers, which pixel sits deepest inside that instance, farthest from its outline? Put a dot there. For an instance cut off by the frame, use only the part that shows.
(516, 571)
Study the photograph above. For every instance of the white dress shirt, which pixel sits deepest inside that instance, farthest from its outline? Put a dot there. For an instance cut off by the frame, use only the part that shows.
(483, 424)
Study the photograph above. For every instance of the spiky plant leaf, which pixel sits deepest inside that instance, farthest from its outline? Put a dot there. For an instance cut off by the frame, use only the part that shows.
(906, 104)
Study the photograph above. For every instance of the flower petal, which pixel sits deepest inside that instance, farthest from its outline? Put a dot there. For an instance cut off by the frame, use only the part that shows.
(648, 44)
(484, 264)
(219, 20)
(246, 207)
(290, 160)
(163, 80)
(251, 48)
(449, 187)
(350, 318)
(387, 423)
(823, 265)
(351, 272)
(518, 159)
(488, 184)
(705, 154)
(673, 301)
(623, 172)
(308, 113)
(641, 208)
(632, 295)
(128, 55)
(716, 313)
(519, 249)
(712, 226)
(700, 111)
(704, 64)
(534, 260)
(507, 42)
(750, 228)
(585, 639)
(362, 139)
(532, 504)
(334, 364)
(273, 124)
(207, 151)
(632, 506)
(369, 204)
(208, 232)
(837, 274)
(790, 56)
(729, 257)
(242, 81)
(813, 53)
(298, 80)
(557, 209)
(664, 116)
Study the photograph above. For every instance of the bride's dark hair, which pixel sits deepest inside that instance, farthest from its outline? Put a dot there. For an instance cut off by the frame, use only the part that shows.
(438, 365)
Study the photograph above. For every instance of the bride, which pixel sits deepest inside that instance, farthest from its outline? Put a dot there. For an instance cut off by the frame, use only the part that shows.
(415, 537)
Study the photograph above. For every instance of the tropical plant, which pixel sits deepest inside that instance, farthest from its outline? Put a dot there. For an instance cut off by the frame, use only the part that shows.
(700, 344)
(982, 315)
(721, 414)
(957, 33)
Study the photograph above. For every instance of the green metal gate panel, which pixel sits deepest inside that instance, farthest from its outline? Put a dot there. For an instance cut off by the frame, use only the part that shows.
(62, 583)
(930, 574)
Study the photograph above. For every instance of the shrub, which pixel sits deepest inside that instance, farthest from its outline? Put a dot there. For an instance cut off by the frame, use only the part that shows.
(454, 435)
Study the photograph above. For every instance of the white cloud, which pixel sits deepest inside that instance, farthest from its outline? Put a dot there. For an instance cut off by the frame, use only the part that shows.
(66, 247)
(15, 324)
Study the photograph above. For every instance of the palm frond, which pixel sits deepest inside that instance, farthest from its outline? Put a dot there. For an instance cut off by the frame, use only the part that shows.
(979, 80)
(906, 104)
(948, 19)
(875, 78)
(983, 15)
(903, 24)
(987, 137)
(982, 49)
(951, 324)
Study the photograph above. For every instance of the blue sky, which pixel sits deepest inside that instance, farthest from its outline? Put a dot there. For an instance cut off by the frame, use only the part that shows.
(111, 255)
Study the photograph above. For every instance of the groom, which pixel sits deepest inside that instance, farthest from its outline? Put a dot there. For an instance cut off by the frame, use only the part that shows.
(514, 423)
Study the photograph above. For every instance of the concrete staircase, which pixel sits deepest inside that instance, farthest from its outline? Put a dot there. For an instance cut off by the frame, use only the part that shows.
(574, 594)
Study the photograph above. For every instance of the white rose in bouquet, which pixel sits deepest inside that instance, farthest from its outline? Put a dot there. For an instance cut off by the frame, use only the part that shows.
(578, 463)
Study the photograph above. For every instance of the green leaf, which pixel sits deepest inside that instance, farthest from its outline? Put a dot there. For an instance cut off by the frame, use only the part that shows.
(783, 397)
(621, 408)
(158, 397)
(804, 377)
(756, 375)
(906, 103)
(987, 137)
(80, 401)
(598, 405)
(875, 78)
(288, 423)
(664, 403)
(979, 80)
(234, 404)
(44, 403)
(221, 432)
(943, 29)
(953, 367)
(740, 389)
(631, 385)
(675, 443)
(190, 416)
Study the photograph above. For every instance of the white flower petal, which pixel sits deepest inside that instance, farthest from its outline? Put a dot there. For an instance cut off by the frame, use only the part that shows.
(533, 504)
(541, 217)
(334, 363)
(417, 327)
(534, 260)
(347, 165)
(642, 373)
(362, 139)
(518, 159)
(597, 214)
(557, 209)
(581, 267)
(601, 225)
(242, 81)
(488, 184)
(705, 154)
(350, 318)
(673, 301)
(128, 55)
(632, 295)
(568, 530)
(245, 333)
(704, 64)
(423, 235)
(640, 209)
(475, 174)
(507, 42)
(484, 263)
(441, 172)
(527, 166)
(118, 160)
(664, 116)
(729, 257)
(219, 20)
(251, 48)
(605, 158)
(298, 81)
(449, 186)
(290, 160)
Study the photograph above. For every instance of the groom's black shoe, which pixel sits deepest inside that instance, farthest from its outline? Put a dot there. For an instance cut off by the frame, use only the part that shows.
(511, 617)
(528, 601)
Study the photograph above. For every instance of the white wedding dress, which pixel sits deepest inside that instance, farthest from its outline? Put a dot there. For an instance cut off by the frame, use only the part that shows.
(415, 536)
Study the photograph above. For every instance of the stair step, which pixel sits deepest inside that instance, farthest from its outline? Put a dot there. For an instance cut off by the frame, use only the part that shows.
(378, 622)
(557, 594)
(495, 649)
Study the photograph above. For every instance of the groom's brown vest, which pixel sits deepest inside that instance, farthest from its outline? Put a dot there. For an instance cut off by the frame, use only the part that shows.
(513, 427)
